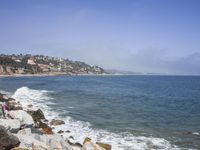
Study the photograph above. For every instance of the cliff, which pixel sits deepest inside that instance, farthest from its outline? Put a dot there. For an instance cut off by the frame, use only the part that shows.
(40, 64)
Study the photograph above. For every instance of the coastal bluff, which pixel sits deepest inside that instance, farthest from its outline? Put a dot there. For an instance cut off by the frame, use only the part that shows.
(40, 64)
(23, 128)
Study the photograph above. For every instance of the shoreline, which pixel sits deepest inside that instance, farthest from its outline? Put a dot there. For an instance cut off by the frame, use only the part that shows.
(32, 130)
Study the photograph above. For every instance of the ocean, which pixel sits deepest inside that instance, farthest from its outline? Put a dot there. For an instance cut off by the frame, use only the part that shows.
(129, 112)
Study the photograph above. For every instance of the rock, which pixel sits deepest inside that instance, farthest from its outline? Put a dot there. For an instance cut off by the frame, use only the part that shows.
(26, 131)
(56, 122)
(30, 106)
(75, 144)
(19, 148)
(23, 117)
(1, 96)
(37, 115)
(13, 105)
(91, 146)
(104, 145)
(71, 137)
(47, 130)
(7, 140)
(67, 131)
(13, 125)
(27, 141)
(87, 139)
(57, 142)
(38, 147)
(61, 131)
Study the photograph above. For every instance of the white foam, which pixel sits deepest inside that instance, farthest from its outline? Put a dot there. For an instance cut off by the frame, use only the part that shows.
(196, 133)
(80, 130)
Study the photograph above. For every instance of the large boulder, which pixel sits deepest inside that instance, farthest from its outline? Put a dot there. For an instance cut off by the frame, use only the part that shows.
(13, 125)
(56, 122)
(23, 116)
(7, 140)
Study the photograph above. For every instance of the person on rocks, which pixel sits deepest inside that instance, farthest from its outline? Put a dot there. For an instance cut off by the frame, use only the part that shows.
(5, 112)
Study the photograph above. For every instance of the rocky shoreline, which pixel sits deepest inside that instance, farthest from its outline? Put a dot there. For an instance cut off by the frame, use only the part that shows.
(28, 129)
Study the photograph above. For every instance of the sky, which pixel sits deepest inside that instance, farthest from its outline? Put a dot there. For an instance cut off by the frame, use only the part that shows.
(148, 36)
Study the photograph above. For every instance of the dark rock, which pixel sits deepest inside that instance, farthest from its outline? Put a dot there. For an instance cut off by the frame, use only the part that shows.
(30, 105)
(61, 131)
(67, 131)
(7, 140)
(71, 137)
(75, 144)
(41, 124)
(2, 98)
(37, 115)
(104, 145)
(56, 122)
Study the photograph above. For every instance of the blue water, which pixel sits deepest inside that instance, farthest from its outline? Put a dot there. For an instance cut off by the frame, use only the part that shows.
(152, 106)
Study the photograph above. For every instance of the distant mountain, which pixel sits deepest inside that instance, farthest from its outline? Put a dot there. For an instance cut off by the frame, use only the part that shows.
(40, 64)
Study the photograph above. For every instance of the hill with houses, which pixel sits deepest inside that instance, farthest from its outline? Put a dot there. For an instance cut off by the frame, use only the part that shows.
(40, 64)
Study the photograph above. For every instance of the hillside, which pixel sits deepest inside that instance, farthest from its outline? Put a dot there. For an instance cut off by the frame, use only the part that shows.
(40, 64)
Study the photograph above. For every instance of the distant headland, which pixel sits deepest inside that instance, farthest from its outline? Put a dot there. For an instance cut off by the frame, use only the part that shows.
(44, 65)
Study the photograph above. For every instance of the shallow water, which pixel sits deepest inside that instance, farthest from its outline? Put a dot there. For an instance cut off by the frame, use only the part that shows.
(129, 112)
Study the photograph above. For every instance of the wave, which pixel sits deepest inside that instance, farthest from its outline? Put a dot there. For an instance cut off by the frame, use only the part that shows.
(79, 129)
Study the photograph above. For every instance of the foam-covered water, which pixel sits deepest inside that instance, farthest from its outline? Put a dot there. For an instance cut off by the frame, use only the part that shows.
(79, 129)
(129, 112)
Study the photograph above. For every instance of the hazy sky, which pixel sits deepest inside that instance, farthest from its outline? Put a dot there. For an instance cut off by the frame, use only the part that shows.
(138, 35)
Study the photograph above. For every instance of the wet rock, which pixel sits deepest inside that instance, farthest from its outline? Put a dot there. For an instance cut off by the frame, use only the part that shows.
(104, 145)
(47, 130)
(23, 117)
(61, 131)
(56, 122)
(13, 105)
(37, 115)
(7, 140)
(13, 125)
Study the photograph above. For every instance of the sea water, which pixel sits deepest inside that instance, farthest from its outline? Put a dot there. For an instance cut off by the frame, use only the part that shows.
(129, 112)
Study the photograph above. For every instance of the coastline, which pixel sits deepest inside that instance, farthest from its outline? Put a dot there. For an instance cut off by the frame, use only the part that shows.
(28, 128)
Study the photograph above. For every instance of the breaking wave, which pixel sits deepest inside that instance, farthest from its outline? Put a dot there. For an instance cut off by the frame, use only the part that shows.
(79, 129)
